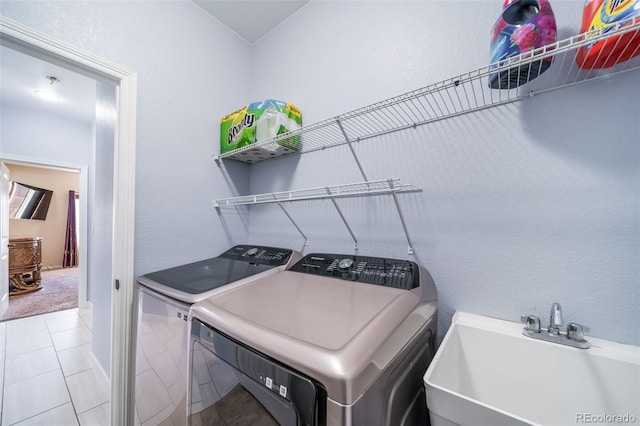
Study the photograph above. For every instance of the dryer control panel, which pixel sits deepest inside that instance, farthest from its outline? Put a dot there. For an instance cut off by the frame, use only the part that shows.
(402, 274)
(272, 256)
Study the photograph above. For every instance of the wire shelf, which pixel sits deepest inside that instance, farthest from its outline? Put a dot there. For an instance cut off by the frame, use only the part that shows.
(458, 95)
(378, 187)
(367, 188)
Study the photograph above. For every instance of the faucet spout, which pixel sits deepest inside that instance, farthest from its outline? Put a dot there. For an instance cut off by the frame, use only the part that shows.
(555, 318)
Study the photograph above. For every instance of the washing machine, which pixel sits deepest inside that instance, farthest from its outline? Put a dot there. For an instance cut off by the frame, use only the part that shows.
(334, 340)
(162, 302)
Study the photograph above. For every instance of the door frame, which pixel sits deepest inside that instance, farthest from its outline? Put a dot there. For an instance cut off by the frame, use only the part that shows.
(21, 37)
(83, 187)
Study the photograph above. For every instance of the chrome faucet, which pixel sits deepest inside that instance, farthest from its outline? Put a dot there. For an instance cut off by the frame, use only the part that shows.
(555, 318)
(573, 337)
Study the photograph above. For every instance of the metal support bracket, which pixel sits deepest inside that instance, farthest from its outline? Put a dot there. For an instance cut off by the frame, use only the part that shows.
(306, 240)
(404, 224)
(353, 152)
(335, 204)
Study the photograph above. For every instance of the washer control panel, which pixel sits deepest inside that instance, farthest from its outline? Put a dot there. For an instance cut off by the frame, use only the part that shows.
(395, 273)
(260, 255)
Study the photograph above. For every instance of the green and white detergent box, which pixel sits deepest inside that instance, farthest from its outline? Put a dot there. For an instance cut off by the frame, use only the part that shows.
(259, 121)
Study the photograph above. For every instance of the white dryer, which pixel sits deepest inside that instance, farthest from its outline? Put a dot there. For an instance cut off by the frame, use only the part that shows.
(335, 340)
(162, 303)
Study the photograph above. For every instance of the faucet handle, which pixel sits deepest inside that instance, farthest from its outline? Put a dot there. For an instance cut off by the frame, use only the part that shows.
(532, 322)
(576, 331)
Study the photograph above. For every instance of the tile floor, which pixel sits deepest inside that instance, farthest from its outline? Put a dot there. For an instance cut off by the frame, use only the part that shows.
(48, 374)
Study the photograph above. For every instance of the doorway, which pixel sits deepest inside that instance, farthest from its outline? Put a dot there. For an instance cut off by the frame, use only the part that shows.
(22, 38)
(61, 285)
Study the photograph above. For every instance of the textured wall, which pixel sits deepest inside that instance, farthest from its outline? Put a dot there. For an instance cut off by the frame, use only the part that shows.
(54, 138)
(522, 205)
(100, 277)
(191, 71)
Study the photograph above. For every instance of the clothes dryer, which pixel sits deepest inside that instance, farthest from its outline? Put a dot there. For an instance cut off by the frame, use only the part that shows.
(335, 340)
(162, 302)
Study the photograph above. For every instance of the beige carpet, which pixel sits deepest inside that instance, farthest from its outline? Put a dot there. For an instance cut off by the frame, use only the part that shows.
(59, 291)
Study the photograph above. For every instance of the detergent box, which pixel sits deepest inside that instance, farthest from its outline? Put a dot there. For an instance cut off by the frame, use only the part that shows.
(259, 121)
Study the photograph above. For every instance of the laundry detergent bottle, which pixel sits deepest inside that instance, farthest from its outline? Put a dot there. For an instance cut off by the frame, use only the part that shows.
(524, 25)
(605, 15)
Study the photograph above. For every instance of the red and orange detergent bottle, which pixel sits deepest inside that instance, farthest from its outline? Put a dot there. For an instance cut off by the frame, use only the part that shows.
(607, 15)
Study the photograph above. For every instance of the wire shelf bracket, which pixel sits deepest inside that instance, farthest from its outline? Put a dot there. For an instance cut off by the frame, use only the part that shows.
(367, 188)
(306, 240)
(355, 157)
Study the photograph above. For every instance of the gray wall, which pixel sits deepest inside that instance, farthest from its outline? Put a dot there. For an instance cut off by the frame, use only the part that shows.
(191, 71)
(54, 138)
(522, 205)
(100, 226)
(186, 82)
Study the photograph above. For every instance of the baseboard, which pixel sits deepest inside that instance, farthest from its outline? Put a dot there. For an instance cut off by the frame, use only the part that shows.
(100, 370)
(86, 305)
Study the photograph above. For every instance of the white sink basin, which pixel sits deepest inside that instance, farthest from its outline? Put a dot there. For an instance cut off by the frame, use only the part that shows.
(487, 373)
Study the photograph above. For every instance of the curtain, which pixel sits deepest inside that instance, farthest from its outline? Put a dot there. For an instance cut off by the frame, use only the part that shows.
(70, 241)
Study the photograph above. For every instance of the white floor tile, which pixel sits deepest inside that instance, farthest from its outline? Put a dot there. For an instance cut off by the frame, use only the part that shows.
(165, 368)
(71, 338)
(34, 387)
(151, 395)
(31, 364)
(62, 415)
(142, 364)
(87, 316)
(161, 419)
(27, 342)
(88, 390)
(86, 309)
(60, 314)
(25, 325)
(76, 359)
(88, 321)
(62, 323)
(34, 396)
(98, 416)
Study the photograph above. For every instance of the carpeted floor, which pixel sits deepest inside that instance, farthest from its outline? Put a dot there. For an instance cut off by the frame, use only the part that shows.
(59, 291)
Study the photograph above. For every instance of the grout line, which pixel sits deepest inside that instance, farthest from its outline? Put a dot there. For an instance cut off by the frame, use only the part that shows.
(3, 381)
(41, 413)
(93, 408)
(65, 382)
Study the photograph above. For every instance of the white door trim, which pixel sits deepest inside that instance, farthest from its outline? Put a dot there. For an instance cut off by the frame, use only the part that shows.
(124, 199)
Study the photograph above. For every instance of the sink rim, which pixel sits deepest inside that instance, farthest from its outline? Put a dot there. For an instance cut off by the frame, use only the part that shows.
(600, 348)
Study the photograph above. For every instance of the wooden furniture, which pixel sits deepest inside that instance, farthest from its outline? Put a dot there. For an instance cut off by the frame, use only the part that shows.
(25, 263)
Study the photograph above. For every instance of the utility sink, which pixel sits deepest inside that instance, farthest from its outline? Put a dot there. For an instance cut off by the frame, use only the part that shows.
(486, 372)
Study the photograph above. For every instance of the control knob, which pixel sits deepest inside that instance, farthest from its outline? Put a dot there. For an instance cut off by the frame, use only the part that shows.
(345, 263)
(252, 251)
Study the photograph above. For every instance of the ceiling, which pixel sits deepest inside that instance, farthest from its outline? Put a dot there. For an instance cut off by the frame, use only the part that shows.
(21, 74)
(251, 19)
